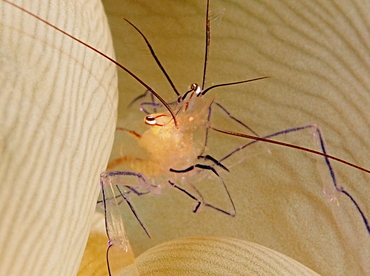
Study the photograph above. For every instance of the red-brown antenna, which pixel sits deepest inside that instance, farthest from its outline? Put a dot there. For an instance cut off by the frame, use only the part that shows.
(267, 139)
(104, 55)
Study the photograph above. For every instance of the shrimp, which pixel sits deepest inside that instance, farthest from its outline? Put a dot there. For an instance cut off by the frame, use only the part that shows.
(197, 132)
(150, 185)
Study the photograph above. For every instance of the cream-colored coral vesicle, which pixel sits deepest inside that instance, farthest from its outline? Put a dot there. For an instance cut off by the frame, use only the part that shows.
(215, 256)
(57, 118)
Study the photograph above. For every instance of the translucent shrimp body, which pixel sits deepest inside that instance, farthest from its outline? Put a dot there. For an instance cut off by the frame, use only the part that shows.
(168, 146)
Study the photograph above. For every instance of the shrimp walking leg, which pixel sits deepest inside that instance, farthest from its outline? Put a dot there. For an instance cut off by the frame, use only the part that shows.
(214, 160)
(321, 143)
(201, 201)
(228, 115)
(143, 105)
(212, 169)
(114, 192)
(235, 119)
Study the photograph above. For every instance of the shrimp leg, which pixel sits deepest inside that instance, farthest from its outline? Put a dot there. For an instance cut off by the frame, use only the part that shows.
(319, 136)
(212, 169)
(113, 188)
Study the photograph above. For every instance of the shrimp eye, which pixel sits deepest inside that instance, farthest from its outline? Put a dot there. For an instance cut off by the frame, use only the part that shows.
(196, 88)
(153, 120)
(150, 120)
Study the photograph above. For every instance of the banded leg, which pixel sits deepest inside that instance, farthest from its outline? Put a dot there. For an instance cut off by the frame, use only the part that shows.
(201, 200)
(114, 192)
(321, 143)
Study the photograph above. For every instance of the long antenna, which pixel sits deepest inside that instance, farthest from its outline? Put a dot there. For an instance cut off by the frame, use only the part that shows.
(231, 83)
(266, 140)
(208, 42)
(156, 58)
(104, 55)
